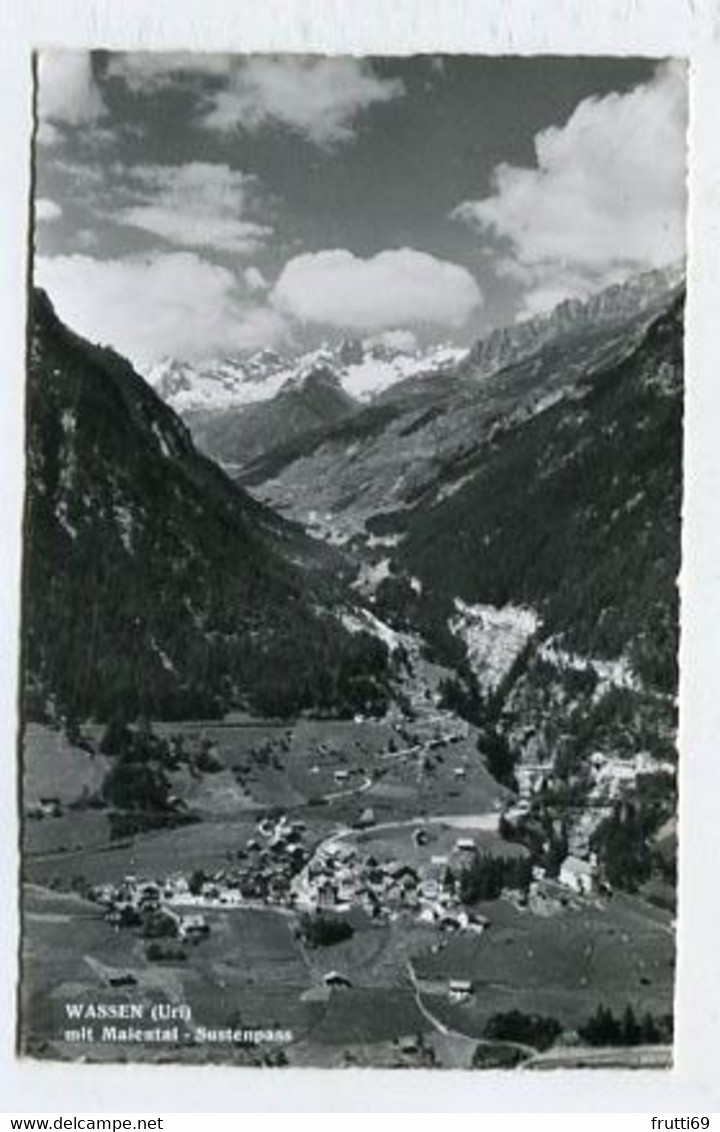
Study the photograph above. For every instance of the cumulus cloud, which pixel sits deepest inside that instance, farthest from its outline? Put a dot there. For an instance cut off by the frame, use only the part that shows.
(67, 93)
(47, 209)
(318, 98)
(153, 305)
(147, 72)
(387, 291)
(198, 205)
(605, 199)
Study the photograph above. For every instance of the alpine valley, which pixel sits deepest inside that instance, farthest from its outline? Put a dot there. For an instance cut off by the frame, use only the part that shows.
(350, 691)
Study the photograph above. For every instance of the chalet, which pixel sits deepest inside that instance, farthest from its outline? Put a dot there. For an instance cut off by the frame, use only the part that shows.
(194, 927)
(460, 990)
(408, 1044)
(46, 808)
(122, 979)
(579, 875)
(366, 819)
(477, 923)
(335, 979)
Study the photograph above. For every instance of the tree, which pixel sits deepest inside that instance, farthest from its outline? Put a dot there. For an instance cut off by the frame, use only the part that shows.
(117, 737)
(499, 758)
(622, 848)
(160, 925)
(486, 876)
(535, 1030)
(196, 882)
(602, 1029)
(323, 931)
(631, 1033)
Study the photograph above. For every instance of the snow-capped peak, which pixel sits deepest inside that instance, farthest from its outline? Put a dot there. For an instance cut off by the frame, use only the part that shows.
(362, 369)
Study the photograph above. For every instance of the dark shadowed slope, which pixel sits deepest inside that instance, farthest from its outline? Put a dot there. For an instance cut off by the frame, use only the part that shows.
(574, 510)
(151, 582)
(238, 436)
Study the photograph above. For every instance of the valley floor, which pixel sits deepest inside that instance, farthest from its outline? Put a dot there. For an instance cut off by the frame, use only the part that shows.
(341, 820)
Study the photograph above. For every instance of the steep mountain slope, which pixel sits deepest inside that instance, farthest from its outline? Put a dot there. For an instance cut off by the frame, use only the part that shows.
(574, 510)
(421, 435)
(152, 583)
(237, 436)
(575, 319)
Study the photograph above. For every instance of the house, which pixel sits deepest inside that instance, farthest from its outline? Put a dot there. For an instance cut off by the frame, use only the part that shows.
(408, 1043)
(579, 875)
(124, 979)
(460, 990)
(465, 845)
(366, 819)
(326, 893)
(335, 979)
(48, 808)
(194, 927)
(477, 923)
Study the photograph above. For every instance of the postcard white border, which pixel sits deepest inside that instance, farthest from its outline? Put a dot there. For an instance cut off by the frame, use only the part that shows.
(658, 28)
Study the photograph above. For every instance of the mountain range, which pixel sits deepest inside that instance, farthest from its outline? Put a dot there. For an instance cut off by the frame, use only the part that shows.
(521, 525)
(239, 408)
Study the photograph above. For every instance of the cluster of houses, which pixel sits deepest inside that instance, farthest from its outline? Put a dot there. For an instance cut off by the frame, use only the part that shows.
(264, 872)
(612, 776)
(136, 902)
(612, 779)
(341, 876)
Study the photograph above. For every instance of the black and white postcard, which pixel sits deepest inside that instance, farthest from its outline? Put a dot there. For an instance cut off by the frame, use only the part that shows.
(352, 532)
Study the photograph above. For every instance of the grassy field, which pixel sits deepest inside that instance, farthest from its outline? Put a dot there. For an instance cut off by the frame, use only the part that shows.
(249, 971)
(564, 965)
(252, 970)
(54, 768)
(369, 1015)
(292, 768)
(401, 843)
(152, 855)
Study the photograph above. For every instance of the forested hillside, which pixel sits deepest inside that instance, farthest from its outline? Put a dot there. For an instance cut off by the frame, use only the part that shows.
(152, 583)
(575, 511)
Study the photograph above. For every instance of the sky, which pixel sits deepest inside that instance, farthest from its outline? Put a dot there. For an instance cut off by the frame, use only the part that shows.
(196, 206)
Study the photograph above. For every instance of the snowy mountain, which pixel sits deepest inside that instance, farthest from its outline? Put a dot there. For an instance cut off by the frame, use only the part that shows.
(362, 370)
(239, 408)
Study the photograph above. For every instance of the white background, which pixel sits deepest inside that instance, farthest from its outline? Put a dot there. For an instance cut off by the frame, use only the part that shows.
(688, 28)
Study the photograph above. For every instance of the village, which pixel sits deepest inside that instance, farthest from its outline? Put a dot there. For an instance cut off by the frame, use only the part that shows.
(276, 871)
